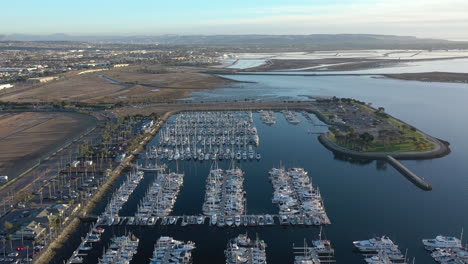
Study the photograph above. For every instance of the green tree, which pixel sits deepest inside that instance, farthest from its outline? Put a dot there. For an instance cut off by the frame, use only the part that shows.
(8, 226)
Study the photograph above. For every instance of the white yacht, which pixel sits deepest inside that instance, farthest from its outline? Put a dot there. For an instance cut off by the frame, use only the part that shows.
(244, 250)
(441, 241)
(214, 219)
(169, 250)
(375, 244)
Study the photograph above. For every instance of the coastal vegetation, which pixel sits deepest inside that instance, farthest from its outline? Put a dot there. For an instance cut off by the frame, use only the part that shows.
(395, 136)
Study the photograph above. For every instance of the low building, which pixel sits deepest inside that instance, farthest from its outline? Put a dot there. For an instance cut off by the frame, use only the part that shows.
(75, 163)
(42, 79)
(50, 213)
(92, 70)
(31, 231)
(60, 208)
(6, 86)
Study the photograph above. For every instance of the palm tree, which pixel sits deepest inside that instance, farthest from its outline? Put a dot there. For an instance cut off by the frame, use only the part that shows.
(4, 248)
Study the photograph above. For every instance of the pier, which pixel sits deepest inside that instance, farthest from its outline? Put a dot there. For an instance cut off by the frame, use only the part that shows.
(185, 220)
(418, 181)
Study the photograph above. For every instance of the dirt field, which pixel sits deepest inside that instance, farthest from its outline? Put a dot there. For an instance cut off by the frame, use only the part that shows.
(338, 64)
(432, 77)
(73, 88)
(25, 137)
(130, 84)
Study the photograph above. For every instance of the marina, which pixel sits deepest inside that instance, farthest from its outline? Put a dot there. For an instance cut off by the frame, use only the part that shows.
(208, 136)
(244, 250)
(225, 195)
(321, 251)
(93, 236)
(214, 220)
(291, 117)
(120, 197)
(168, 250)
(267, 117)
(121, 250)
(447, 249)
(188, 210)
(295, 195)
(380, 250)
(160, 196)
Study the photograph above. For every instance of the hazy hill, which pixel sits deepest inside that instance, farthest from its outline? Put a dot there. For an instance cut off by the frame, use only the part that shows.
(315, 41)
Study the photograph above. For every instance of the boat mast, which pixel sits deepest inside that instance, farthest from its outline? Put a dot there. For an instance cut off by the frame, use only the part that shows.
(461, 237)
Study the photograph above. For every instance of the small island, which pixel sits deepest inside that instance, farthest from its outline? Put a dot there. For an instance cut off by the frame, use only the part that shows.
(359, 130)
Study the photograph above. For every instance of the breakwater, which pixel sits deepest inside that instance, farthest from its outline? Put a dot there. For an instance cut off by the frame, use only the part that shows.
(418, 181)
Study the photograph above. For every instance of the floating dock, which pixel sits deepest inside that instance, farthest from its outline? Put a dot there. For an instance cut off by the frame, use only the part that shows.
(186, 220)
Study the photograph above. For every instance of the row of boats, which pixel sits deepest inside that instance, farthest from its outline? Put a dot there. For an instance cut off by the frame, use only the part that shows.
(291, 117)
(382, 250)
(170, 251)
(242, 249)
(120, 197)
(268, 117)
(225, 193)
(320, 251)
(208, 136)
(92, 237)
(161, 195)
(228, 153)
(447, 249)
(295, 195)
(120, 251)
(214, 220)
(307, 116)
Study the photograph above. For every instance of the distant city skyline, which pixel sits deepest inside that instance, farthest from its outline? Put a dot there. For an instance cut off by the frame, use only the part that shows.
(420, 18)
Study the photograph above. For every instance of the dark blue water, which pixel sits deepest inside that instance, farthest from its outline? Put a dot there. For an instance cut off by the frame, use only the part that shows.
(363, 200)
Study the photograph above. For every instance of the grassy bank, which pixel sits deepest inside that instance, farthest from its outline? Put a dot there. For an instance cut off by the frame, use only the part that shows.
(409, 139)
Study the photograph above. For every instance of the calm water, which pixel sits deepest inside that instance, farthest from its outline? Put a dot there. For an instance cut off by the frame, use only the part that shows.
(366, 200)
(247, 63)
(452, 65)
(361, 199)
(456, 65)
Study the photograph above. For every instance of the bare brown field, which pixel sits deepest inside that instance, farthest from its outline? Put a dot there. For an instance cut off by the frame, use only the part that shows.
(432, 77)
(71, 88)
(334, 64)
(130, 85)
(172, 83)
(26, 137)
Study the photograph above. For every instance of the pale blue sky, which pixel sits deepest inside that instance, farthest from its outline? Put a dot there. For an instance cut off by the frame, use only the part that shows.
(423, 18)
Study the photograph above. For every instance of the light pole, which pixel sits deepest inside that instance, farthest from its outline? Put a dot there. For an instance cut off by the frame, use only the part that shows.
(4, 249)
